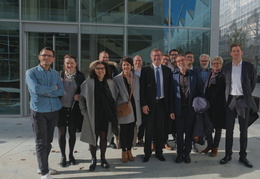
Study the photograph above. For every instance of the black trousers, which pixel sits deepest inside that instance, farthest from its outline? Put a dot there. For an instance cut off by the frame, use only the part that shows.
(184, 125)
(236, 108)
(43, 125)
(214, 143)
(127, 135)
(154, 128)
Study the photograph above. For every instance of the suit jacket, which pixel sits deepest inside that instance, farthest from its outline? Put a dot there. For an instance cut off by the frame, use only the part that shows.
(248, 81)
(124, 97)
(195, 90)
(148, 87)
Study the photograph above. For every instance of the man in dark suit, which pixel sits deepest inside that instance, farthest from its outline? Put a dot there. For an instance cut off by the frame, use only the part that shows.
(154, 95)
(186, 85)
(240, 77)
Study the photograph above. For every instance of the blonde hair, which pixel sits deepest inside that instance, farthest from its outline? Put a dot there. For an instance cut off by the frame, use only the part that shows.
(217, 58)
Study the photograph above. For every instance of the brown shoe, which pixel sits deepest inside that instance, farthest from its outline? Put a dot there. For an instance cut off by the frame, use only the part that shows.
(130, 156)
(214, 152)
(124, 157)
(168, 147)
(206, 150)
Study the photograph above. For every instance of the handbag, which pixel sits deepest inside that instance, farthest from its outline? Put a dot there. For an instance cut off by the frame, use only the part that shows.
(124, 109)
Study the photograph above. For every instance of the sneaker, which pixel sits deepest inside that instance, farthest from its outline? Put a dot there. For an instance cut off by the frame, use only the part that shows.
(51, 171)
(47, 176)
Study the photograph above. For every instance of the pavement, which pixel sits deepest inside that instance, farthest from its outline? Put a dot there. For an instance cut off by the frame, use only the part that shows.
(18, 159)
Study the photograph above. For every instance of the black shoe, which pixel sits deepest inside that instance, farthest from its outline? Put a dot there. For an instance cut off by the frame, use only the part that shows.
(225, 159)
(93, 164)
(63, 162)
(72, 160)
(146, 159)
(104, 163)
(187, 158)
(179, 158)
(113, 145)
(160, 157)
(246, 162)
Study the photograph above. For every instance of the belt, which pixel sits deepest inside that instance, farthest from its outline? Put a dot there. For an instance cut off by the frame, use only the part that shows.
(237, 96)
(157, 100)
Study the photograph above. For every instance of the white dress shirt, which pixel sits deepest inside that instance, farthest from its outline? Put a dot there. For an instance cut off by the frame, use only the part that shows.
(236, 84)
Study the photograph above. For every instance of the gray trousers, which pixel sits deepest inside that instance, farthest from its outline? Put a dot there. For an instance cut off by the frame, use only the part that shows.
(43, 125)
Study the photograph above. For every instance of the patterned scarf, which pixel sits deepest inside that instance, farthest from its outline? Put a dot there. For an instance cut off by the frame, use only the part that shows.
(213, 78)
(70, 77)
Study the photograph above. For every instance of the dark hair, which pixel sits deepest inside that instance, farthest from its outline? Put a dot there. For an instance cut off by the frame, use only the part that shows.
(173, 50)
(128, 60)
(92, 73)
(189, 53)
(47, 48)
(235, 45)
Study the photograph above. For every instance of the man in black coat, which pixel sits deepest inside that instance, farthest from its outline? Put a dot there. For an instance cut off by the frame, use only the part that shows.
(240, 77)
(154, 95)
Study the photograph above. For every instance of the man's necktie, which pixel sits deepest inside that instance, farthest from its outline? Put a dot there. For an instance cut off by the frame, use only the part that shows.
(158, 83)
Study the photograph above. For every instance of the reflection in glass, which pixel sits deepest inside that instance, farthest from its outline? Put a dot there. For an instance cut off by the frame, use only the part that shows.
(50, 10)
(9, 9)
(64, 44)
(93, 44)
(197, 41)
(186, 13)
(142, 40)
(9, 68)
(103, 11)
(151, 12)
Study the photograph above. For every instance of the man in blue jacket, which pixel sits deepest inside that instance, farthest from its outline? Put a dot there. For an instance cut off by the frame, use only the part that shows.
(45, 88)
(186, 85)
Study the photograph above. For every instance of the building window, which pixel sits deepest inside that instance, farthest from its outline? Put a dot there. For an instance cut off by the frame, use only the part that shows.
(9, 68)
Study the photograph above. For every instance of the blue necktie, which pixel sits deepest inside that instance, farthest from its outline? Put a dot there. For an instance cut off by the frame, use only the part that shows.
(158, 83)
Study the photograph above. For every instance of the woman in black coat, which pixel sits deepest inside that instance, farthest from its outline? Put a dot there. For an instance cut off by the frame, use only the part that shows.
(70, 116)
(215, 92)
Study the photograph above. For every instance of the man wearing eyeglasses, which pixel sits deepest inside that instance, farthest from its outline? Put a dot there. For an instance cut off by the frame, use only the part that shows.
(45, 88)
(173, 54)
(204, 67)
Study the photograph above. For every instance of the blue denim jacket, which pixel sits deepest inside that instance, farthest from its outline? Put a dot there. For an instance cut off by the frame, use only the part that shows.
(41, 85)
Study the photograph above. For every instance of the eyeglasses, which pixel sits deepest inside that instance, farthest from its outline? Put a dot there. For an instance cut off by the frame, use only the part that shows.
(101, 68)
(215, 63)
(203, 61)
(173, 54)
(189, 56)
(45, 55)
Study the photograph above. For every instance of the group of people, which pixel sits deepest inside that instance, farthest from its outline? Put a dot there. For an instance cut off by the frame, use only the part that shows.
(160, 96)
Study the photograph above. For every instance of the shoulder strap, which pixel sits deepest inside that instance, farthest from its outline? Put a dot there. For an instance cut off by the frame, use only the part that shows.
(132, 87)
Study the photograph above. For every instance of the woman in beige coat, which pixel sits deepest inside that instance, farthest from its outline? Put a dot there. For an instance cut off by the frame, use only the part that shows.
(125, 81)
(97, 104)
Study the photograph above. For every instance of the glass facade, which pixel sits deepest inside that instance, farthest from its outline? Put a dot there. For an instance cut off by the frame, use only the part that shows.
(9, 68)
(239, 23)
(50, 10)
(86, 27)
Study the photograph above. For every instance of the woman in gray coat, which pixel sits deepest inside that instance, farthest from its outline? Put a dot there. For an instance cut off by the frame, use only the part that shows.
(125, 81)
(97, 104)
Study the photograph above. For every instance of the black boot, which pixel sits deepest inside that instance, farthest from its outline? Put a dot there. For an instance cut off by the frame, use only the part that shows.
(104, 163)
(93, 164)
(72, 160)
(63, 162)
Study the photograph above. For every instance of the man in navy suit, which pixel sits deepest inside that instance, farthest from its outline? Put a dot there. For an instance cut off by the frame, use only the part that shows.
(187, 85)
(240, 77)
(155, 83)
